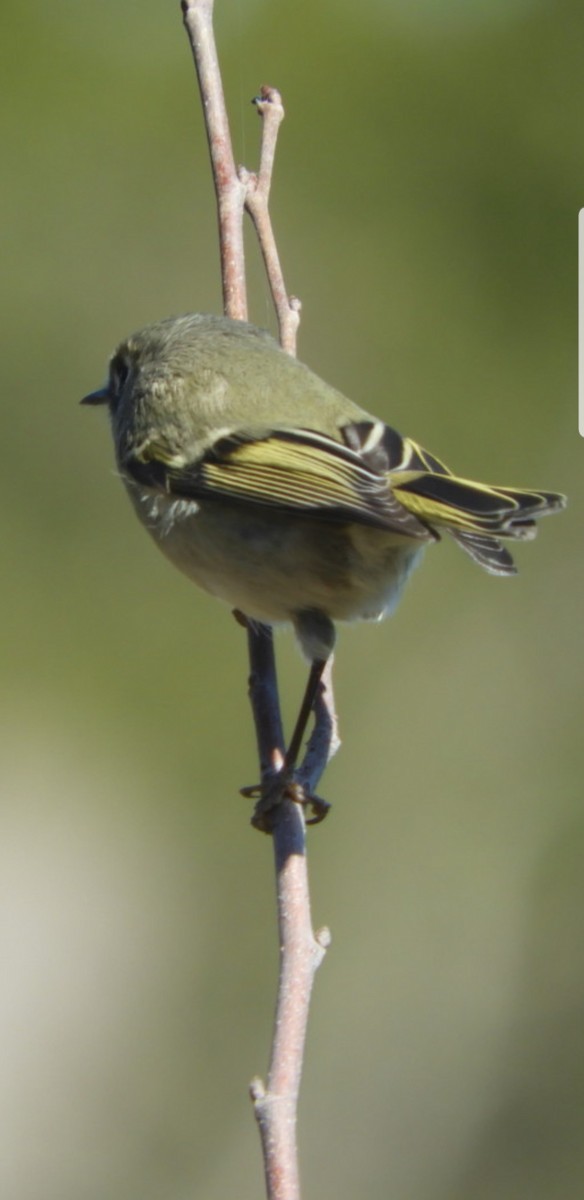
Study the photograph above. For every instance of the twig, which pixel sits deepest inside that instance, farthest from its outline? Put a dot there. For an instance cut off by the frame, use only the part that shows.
(301, 953)
(324, 740)
(271, 110)
(300, 950)
(263, 694)
(229, 189)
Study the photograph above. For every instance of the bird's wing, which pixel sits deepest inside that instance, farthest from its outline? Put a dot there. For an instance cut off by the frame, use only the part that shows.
(476, 515)
(374, 477)
(292, 470)
(462, 504)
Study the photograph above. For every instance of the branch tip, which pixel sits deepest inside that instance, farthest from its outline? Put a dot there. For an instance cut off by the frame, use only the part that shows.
(257, 1090)
(268, 96)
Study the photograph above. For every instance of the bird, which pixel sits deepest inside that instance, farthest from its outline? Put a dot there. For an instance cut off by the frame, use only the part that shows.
(275, 493)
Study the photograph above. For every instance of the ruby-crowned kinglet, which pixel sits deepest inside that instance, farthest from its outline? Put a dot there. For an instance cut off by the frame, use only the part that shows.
(274, 492)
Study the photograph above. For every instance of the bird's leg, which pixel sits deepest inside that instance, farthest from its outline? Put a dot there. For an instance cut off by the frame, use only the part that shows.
(308, 700)
(272, 790)
(315, 630)
(294, 789)
(285, 784)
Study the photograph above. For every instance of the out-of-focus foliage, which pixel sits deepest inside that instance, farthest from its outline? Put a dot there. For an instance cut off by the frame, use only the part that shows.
(427, 184)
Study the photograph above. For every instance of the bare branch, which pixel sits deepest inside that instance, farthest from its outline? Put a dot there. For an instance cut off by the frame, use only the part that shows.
(300, 950)
(263, 693)
(271, 110)
(301, 953)
(229, 189)
(324, 740)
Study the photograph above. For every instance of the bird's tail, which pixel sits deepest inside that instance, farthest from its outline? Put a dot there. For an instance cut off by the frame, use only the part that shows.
(475, 515)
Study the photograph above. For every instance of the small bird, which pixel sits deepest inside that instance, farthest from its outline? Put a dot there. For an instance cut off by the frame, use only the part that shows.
(274, 492)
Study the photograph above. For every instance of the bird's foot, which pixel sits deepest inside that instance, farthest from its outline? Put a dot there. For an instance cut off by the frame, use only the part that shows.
(271, 794)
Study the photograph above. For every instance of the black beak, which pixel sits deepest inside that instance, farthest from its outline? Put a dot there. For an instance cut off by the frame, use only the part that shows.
(99, 397)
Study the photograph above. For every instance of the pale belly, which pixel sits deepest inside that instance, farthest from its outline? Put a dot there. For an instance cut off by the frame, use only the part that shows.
(272, 566)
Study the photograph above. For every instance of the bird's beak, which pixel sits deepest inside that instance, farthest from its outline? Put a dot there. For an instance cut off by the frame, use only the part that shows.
(99, 397)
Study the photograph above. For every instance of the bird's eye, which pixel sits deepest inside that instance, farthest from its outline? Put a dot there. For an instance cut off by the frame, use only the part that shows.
(119, 372)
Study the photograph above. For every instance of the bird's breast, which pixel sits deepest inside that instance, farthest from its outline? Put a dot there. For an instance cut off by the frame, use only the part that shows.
(273, 564)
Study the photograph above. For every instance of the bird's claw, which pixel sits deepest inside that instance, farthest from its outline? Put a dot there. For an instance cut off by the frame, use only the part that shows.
(270, 795)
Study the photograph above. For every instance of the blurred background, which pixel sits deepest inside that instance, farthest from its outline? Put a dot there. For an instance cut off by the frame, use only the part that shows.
(427, 185)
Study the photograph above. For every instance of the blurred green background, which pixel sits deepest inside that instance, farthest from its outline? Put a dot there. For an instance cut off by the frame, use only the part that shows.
(426, 193)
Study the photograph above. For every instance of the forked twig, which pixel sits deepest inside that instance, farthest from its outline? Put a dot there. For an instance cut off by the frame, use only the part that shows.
(301, 951)
(271, 110)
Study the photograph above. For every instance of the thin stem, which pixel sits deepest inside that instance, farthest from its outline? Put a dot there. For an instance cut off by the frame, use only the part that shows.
(229, 189)
(300, 950)
(271, 110)
(324, 740)
(306, 707)
(263, 693)
(301, 953)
